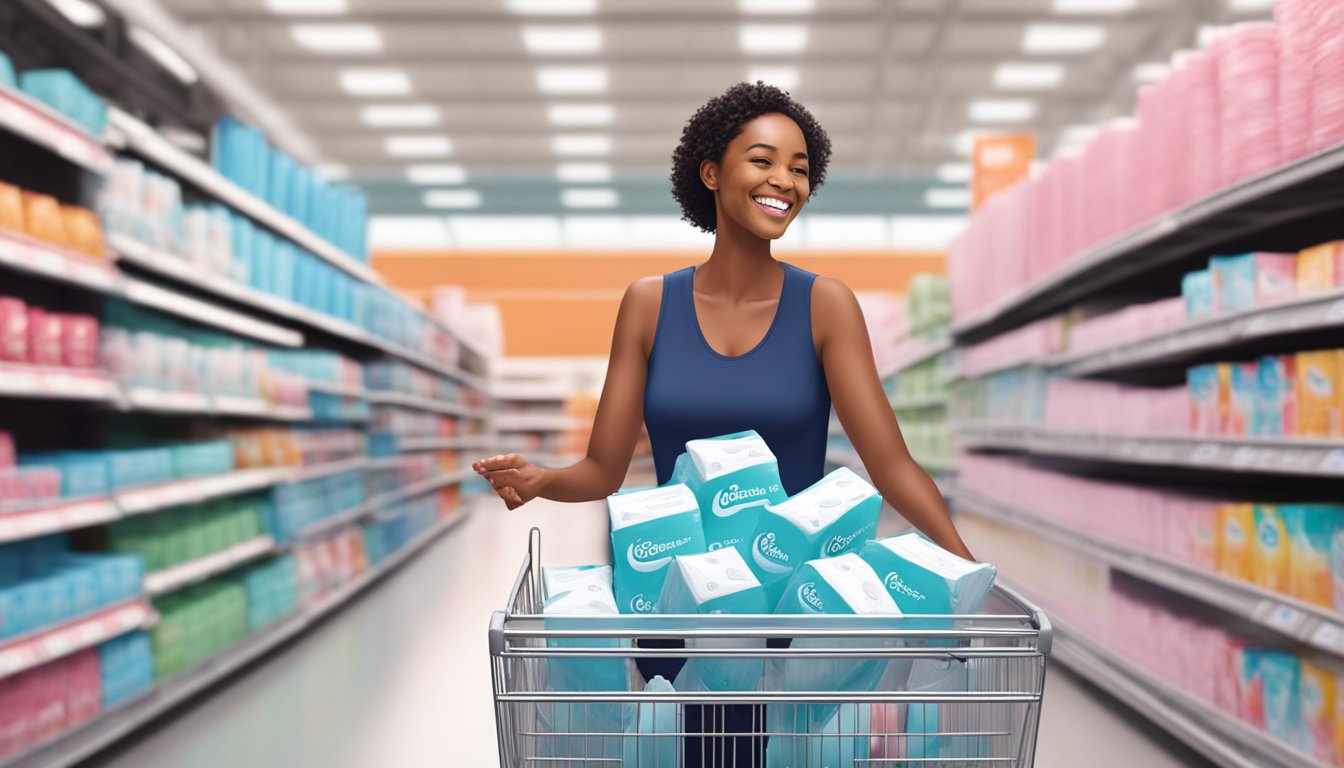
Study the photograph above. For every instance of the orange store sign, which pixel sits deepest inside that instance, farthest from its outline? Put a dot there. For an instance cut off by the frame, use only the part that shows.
(999, 162)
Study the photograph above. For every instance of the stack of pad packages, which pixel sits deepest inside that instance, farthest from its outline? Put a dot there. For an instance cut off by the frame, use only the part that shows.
(723, 537)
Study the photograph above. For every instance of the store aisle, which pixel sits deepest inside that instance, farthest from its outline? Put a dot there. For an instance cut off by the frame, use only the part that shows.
(401, 677)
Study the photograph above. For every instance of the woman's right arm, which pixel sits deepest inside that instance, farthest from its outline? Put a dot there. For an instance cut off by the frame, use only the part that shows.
(620, 412)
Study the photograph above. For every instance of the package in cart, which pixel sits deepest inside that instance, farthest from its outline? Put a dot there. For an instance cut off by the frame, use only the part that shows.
(732, 476)
(832, 517)
(558, 580)
(714, 583)
(649, 527)
(922, 577)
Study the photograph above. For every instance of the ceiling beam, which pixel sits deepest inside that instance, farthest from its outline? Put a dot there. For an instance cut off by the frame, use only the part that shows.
(725, 13)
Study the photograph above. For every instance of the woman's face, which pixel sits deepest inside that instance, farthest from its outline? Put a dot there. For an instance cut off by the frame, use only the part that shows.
(766, 160)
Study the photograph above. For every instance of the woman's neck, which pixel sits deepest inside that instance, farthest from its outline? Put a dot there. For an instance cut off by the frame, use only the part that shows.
(740, 267)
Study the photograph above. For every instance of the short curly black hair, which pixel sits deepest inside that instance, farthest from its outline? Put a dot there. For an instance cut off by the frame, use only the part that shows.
(718, 122)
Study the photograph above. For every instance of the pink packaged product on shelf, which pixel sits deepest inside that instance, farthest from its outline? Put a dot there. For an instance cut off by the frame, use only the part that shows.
(41, 702)
(79, 341)
(1248, 99)
(13, 330)
(1327, 76)
(1243, 398)
(1296, 24)
(20, 485)
(44, 337)
(6, 450)
(1132, 323)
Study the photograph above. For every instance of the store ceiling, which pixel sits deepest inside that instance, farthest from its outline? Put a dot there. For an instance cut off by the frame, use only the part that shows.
(893, 82)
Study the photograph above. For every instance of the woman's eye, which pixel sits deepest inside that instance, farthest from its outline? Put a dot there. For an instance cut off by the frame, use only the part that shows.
(760, 160)
(801, 170)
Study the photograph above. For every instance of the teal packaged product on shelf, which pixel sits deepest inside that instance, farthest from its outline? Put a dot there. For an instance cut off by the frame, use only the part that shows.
(1201, 301)
(1275, 413)
(732, 477)
(834, 515)
(556, 581)
(139, 466)
(1281, 675)
(1234, 281)
(279, 180)
(922, 577)
(650, 526)
(715, 583)
(1243, 398)
(61, 90)
(1206, 411)
(7, 72)
(127, 666)
(82, 473)
(1310, 529)
(272, 591)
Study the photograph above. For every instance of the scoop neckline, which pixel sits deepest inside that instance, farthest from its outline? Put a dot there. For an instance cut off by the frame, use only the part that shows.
(774, 321)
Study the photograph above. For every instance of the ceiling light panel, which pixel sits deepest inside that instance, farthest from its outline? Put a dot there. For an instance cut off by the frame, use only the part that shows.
(1016, 76)
(381, 81)
(589, 198)
(310, 7)
(417, 146)
(948, 197)
(1093, 6)
(1001, 110)
(81, 13)
(954, 173)
(580, 114)
(436, 174)
(581, 144)
(452, 198)
(580, 173)
(784, 78)
(1250, 6)
(170, 59)
(772, 39)
(399, 115)
(551, 7)
(337, 38)
(562, 41)
(776, 7)
(1062, 38)
(1151, 72)
(572, 80)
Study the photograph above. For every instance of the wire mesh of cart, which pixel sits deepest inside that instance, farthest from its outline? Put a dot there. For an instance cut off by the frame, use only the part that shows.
(789, 691)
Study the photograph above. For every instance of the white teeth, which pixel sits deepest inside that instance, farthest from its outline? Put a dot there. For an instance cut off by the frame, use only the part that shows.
(773, 203)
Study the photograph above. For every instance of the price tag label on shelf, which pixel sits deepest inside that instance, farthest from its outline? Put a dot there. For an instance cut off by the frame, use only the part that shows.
(1204, 452)
(1245, 456)
(1336, 313)
(57, 643)
(1255, 326)
(1333, 461)
(1283, 617)
(89, 633)
(1328, 636)
(86, 513)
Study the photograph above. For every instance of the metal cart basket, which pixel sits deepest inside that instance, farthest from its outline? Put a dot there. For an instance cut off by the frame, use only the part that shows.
(917, 690)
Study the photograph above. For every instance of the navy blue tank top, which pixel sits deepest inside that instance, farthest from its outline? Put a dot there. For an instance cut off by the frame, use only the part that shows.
(778, 388)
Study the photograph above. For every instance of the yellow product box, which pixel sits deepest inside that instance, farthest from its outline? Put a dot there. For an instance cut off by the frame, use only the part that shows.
(1236, 526)
(1321, 267)
(1269, 549)
(1320, 394)
(11, 208)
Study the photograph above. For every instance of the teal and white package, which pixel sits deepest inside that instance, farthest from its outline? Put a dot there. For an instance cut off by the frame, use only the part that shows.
(556, 581)
(715, 582)
(922, 577)
(1281, 675)
(649, 527)
(833, 516)
(843, 585)
(732, 476)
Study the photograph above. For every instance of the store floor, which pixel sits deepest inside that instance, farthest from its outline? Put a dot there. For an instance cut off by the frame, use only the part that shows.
(401, 678)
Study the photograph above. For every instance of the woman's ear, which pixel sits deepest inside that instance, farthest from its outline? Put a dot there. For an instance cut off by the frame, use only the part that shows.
(709, 174)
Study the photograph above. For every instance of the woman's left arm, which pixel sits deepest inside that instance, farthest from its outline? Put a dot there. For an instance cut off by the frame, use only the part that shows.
(866, 415)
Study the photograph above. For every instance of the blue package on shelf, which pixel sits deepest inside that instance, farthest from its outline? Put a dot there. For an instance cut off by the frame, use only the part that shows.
(263, 261)
(127, 666)
(244, 234)
(279, 180)
(139, 466)
(286, 256)
(300, 193)
(82, 473)
(7, 71)
(64, 92)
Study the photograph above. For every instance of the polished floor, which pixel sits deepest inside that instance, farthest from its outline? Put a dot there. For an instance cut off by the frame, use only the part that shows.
(401, 678)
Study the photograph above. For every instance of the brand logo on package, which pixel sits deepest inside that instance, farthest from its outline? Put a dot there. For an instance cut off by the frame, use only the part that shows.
(1269, 534)
(896, 584)
(724, 544)
(837, 545)
(644, 555)
(1318, 382)
(768, 555)
(736, 496)
(807, 595)
(639, 605)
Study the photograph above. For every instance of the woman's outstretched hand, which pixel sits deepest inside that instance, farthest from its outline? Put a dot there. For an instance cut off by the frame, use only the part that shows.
(515, 479)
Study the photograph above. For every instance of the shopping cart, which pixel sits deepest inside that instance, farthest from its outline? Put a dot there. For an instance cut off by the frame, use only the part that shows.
(934, 690)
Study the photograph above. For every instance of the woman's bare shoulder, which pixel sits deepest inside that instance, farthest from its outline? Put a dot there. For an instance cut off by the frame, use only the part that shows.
(640, 307)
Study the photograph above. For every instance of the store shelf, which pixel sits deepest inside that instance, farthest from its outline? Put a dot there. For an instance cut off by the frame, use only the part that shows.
(1310, 457)
(56, 383)
(385, 500)
(171, 579)
(324, 469)
(920, 403)
(83, 741)
(26, 117)
(538, 423)
(342, 390)
(24, 254)
(530, 392)
(1219, 736)
(30, 523)
(919, 352)
(382, 397)
(141, 500)
(1285, 209)
(37, 648)
(414, 444)
(1310, 625)
(319, 528)
(1312, 313)
(206, 313)
(148, 143)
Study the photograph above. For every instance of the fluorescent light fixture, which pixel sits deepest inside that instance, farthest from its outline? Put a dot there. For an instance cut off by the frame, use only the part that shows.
(598, 231)
(380, 81)
(1249, 6)
(307, 6)
(167, 57)
(776, 7)
(333, 171)
(581, 114)
(1062, 38)
(551, 7)
(417, 146)
(581, 144)
(784, 78)
(925, 232)
(954, 173)
(772, 39)
(452, 198)
(81, 13)
(589, 198)
(399, 115)
(581, 173)
(1026, 77)
(1210, 32)
(485, 231)
(562, 41)
(1079, 134)
(842, 231)
(964, 143)
(572, 79)
(337, 38)
(414, 232)
(1151, 72)
(1094, 6)
(436, 174)
(1001, 110)
(948, 197)
(662, 231)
